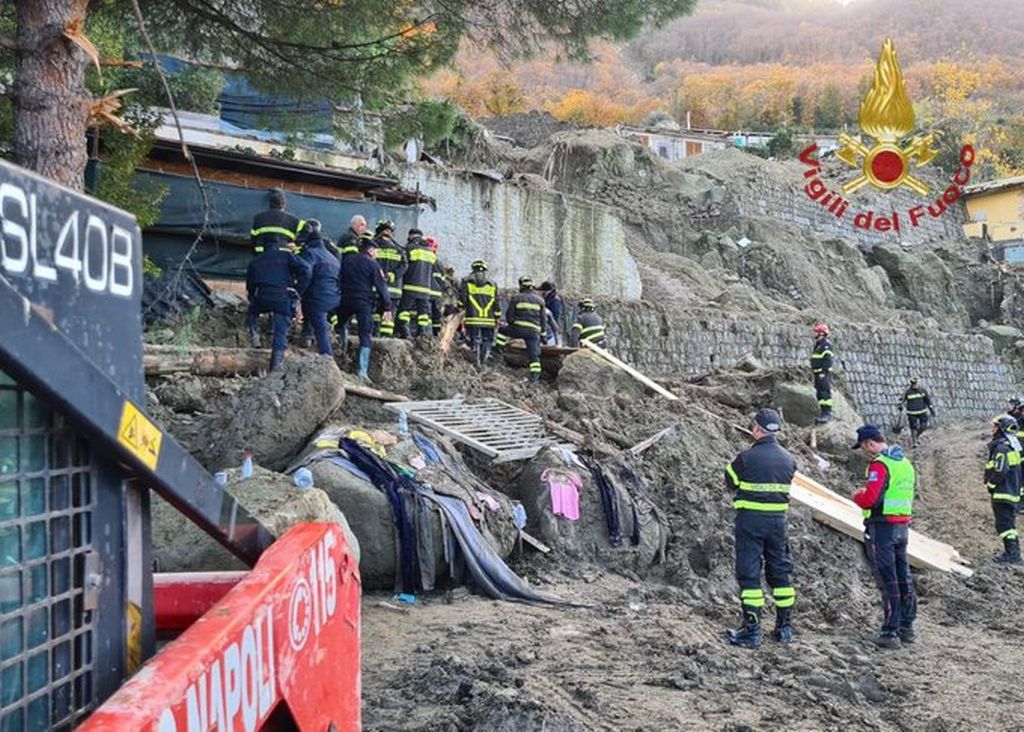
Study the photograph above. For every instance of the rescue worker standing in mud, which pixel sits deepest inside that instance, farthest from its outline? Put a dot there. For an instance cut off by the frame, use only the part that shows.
(274, 281)
(918, 405)
(525, 319)
(417, 288)
(323, 295)
(588, 326)
(393, 262)
(1003, 481)
(887, 502)
(761, 478)
(821, 367)
(361, 279)
(479, 297)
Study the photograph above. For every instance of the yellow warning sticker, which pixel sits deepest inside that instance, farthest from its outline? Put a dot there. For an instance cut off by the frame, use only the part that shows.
(133, 646)
(139, 435)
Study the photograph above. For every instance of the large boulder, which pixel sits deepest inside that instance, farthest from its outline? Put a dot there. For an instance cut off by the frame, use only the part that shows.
(588, 538)
(1002, 336)
(272, 416)
(271, 498)
(585, 371)
(799, 404)
(921, 281)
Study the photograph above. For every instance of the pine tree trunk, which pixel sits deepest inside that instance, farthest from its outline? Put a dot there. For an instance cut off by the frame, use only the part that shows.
(51, 103)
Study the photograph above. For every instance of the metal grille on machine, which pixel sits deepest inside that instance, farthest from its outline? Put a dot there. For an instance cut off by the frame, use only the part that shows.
(46, 515)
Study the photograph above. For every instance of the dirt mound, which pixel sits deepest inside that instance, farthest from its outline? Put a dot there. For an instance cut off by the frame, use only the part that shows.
(272, 416)
(180, 546)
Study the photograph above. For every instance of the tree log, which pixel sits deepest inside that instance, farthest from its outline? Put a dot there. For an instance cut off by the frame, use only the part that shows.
(163, 360)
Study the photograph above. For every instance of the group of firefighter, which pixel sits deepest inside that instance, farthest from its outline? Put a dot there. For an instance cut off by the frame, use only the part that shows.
(760, 479)
(390, 290)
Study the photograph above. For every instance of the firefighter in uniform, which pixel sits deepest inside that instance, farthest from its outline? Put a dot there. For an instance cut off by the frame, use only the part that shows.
(761, 477)
(588, 326)
(348, 243)
(417, 288)
(362, 284)
(323, 295)
(478, 296)
(821, 367)
(524, 319)
(887, 503)
(1003, 481)
(275, 227)
(274, 281)
(392, 260)
(919, 406)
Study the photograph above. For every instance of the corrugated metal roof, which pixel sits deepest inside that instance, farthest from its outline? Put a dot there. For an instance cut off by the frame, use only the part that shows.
(994, 185)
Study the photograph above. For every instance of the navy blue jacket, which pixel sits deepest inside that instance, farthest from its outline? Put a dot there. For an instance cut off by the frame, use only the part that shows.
(553, 302)
(272, 273)
(324, 291)
(273, 228)
(360, 276)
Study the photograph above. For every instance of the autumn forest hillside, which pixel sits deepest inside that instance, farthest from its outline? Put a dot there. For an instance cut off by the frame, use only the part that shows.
(777, 64)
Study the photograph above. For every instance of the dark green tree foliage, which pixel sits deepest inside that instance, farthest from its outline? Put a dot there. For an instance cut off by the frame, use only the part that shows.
(307, 49)
(828, 114)
(121, 153)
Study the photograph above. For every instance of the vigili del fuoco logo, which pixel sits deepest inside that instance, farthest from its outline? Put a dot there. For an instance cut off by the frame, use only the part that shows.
(888, 159)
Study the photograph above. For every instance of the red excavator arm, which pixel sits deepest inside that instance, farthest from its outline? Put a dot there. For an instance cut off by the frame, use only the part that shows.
(287, 635)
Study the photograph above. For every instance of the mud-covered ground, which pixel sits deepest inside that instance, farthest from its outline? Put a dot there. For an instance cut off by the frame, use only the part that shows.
(646, 651)
(648, 654)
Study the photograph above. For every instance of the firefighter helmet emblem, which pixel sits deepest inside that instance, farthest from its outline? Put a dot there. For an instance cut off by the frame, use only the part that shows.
(887, 116)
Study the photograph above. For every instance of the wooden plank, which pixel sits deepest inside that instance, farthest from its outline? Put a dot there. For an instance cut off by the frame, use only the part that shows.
(641, 446)
(535, 542)
(631, 371)
(370, 393)
(844, 515)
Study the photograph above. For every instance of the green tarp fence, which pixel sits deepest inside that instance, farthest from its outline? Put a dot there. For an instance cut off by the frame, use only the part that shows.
(224, 252)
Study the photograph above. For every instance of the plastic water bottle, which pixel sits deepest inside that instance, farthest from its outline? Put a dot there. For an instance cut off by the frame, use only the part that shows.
(403, 423)
(247, 466)
(302, 478)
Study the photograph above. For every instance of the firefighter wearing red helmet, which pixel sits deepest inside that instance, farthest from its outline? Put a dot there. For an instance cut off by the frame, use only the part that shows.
(821, 367)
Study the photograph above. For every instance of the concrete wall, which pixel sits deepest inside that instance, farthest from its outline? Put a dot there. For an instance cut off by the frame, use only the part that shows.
(961, 372)
(523, 230)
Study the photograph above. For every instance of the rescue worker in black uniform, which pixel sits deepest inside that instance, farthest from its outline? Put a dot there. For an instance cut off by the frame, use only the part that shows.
(821, 367)
(414, 313)
(761, 477)
(1003, 481)
(323, 295)
(524, 318)
(1016, 410)
(274, 227)
(393, 262)
(274, 282)
(588, 326)
(478, 296)
(919, 406)
(348, 243)
(362, 284)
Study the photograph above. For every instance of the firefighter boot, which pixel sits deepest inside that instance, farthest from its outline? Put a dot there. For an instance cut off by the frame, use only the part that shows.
(1011, 552)
(276, 359)
(783, 632)
(364, 363)
(478, 354)
(747, 635)
(825, 416)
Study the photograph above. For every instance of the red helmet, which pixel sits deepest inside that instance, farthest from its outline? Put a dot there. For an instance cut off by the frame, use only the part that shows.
(820, 329)
(431, 243)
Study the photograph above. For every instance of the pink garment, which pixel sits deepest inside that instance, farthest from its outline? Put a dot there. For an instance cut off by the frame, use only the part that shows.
(489, 501)
(564, 487)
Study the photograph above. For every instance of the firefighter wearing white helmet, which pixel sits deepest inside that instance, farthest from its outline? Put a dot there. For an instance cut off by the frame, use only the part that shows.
(1003, 482)
(821, 367)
